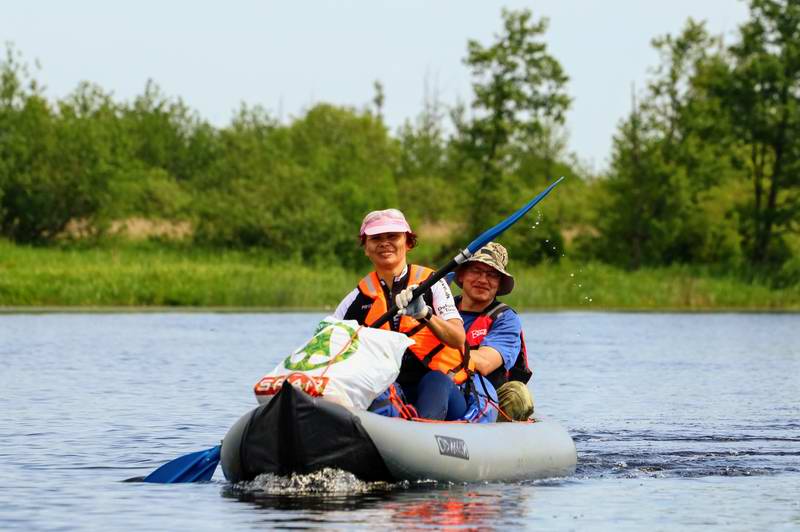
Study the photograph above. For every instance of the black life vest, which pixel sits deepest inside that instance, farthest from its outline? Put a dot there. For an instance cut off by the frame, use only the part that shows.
(479, 328)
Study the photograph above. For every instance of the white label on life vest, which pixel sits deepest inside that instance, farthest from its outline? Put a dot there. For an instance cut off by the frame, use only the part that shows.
(478, 333)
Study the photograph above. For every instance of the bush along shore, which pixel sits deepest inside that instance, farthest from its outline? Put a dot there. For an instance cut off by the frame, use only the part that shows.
(703, 171)
(148, 275)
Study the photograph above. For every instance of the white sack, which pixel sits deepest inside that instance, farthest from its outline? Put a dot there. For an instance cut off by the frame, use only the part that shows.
(362, 371)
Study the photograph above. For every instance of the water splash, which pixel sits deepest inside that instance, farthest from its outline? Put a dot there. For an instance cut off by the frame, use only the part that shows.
(327, 481)
(538, 219)
(578, 285)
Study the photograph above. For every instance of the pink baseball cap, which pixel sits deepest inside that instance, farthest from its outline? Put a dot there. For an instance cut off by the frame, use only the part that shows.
(386, 221)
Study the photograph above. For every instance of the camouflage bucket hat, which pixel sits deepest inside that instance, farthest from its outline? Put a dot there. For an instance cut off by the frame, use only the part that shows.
(496, 256)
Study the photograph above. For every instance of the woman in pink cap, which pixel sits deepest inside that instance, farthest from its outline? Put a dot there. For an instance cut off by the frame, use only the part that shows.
(433, 367)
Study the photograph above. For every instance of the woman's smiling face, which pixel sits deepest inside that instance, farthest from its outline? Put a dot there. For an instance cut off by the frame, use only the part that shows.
(387, 251)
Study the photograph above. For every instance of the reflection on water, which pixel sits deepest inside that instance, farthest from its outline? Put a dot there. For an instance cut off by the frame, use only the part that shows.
(408, 504)
(452, 508)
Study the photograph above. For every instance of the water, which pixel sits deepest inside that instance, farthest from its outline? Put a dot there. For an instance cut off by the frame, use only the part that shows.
(681, 422)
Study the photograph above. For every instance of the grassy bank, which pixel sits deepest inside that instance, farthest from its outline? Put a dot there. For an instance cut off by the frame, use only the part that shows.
(152, 276)
(597, 286)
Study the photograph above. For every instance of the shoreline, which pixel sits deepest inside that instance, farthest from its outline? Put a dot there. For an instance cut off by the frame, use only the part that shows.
(99, 309)
(158, 279)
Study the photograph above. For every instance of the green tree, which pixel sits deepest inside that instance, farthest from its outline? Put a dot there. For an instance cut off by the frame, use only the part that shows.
(519, 104)
(696, 143)
(348, 159)
(679, 107)
(299, 190)
(760, 90)
(164, 133)
(668, 152)
(519, 91)
(56, 162)
(638, 215)
(424, 171)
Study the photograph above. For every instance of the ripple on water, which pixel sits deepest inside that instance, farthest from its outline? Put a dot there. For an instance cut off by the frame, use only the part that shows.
(659, 398)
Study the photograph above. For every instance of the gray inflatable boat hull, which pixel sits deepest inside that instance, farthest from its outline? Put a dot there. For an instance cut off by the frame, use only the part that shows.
(458, 452)
(296, 433)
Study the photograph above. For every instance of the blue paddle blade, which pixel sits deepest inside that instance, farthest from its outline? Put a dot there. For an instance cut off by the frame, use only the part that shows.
(193, 467)
(489, 234)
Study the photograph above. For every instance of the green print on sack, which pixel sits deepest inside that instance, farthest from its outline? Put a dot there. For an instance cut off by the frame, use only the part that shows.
(320, 346)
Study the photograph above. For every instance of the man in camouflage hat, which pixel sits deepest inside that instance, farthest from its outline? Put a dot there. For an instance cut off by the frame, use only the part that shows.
(494, 331)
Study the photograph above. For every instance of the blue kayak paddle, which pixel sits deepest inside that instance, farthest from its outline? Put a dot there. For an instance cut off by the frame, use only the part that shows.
(193, 467)
(486, 237)
(199, 466)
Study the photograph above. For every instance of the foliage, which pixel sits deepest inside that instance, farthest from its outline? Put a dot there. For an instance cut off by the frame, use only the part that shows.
(424, 168)
(520, 99)
(760, 90)
(55, 162)
(130, 275)
(713, 118)
(300, 190)
(662, 163)
(163, 275)
(705, 170)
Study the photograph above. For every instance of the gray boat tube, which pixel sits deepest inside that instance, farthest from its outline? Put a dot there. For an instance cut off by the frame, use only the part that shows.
(470, 452)
(295, 433)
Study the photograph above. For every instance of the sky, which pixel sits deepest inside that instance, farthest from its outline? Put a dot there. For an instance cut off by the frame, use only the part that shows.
(287, 56)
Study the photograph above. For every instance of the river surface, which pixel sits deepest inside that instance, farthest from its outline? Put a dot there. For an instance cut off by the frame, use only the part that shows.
(681, 421)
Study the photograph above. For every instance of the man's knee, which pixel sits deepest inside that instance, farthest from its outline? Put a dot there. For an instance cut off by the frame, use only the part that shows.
(515, 401)
(436, 378)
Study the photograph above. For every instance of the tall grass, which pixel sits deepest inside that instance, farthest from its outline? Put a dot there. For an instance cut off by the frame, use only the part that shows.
(163, 276)
(151, 275)
(596, 286)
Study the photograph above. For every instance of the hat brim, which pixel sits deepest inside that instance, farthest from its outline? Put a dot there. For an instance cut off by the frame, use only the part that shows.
(387, 228)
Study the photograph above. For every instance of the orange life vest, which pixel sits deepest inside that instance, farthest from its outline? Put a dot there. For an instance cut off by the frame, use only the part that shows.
(427, 347)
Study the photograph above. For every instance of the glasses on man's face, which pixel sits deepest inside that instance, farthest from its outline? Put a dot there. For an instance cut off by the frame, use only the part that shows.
(491, 275)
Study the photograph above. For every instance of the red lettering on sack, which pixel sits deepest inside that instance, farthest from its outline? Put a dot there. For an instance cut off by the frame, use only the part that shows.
(271, 384)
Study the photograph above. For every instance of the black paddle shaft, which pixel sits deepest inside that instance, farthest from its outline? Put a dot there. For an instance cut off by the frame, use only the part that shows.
(418, 291)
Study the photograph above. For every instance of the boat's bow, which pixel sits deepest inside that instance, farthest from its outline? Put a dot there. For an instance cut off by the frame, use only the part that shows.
(295, 433)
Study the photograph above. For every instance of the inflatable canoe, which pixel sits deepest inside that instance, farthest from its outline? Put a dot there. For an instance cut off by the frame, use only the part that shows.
(296, 433)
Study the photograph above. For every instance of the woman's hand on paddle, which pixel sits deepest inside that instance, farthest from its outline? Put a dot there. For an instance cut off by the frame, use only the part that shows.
(451, 331)
(417, 308)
